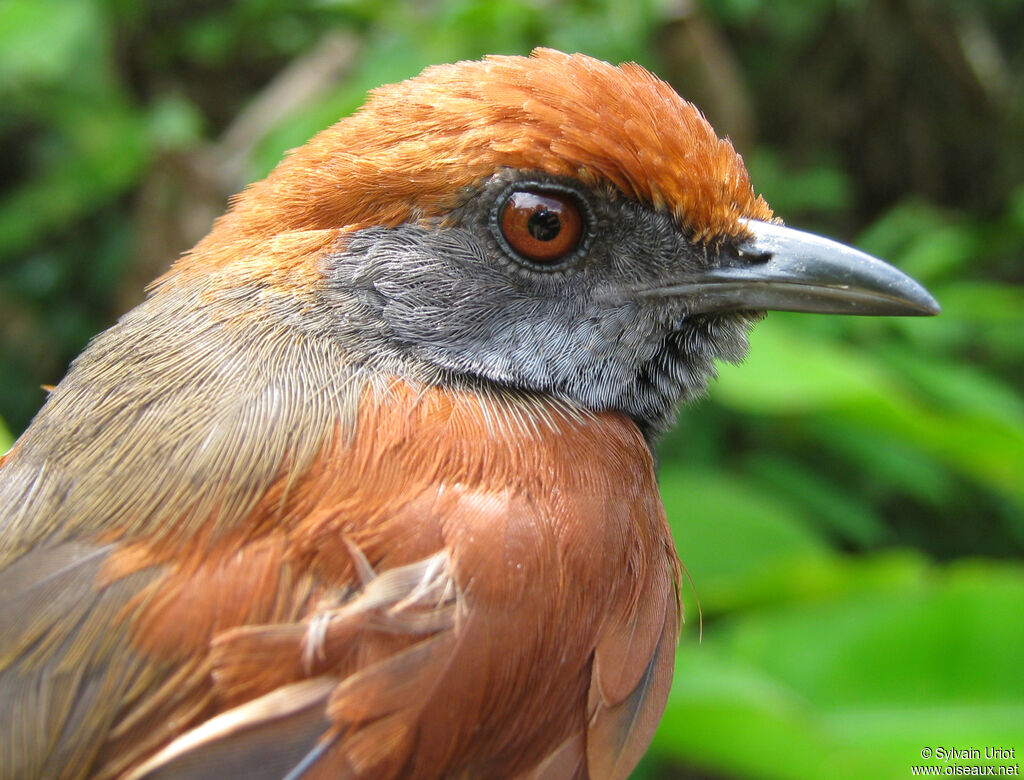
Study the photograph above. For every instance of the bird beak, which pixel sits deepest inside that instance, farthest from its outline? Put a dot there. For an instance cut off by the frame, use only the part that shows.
(782, 269)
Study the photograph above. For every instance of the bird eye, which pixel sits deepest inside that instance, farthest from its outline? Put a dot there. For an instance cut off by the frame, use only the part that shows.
(542, 227)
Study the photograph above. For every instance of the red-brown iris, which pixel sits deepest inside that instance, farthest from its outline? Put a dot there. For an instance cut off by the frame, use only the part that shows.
(543, 227)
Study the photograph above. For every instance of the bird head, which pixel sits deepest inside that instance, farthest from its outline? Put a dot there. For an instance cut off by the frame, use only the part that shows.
(551, 224)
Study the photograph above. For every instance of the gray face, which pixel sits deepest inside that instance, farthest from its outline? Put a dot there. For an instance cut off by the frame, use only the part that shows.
(454, 298)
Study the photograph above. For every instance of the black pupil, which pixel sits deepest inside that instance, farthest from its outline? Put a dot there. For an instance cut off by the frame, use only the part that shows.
(544, 225)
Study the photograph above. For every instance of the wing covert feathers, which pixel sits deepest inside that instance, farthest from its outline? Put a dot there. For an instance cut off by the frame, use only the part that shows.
(619, 732)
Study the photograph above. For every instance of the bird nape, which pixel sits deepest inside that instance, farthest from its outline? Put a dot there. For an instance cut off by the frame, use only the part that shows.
(364, 488)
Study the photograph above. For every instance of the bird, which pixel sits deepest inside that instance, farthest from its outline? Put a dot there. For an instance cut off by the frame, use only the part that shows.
(365, 487)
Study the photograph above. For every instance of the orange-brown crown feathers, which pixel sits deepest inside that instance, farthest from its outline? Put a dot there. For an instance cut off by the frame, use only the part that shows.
(414, 147)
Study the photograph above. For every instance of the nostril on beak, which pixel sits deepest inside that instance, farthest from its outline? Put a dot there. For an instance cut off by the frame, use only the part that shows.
(754, 257)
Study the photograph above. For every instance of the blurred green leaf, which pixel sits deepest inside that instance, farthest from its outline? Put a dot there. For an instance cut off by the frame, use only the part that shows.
(959, 386)
(6, 440)
(888, 462)
(108, 150)
(815, 189)
(173, 122)
(795, 372)
(844, 515)
(979, 301)
(984, 448)
(41, 41)
(919, 234)
(791, 369)
(856, 684)
(730, 533)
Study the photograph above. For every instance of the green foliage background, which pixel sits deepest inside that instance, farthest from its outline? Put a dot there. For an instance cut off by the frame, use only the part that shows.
(849, 502)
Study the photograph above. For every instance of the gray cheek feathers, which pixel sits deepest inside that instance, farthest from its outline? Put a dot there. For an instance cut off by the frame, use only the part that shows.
(420, 299)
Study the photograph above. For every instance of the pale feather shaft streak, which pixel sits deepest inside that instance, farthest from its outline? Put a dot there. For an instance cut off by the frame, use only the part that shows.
(275, 705)
(419, 598)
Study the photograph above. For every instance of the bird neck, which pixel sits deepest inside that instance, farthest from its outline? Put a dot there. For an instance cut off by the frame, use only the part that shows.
(158, 435)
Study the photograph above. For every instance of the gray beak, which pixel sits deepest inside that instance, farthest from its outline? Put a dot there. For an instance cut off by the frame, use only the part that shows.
(783, 269)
